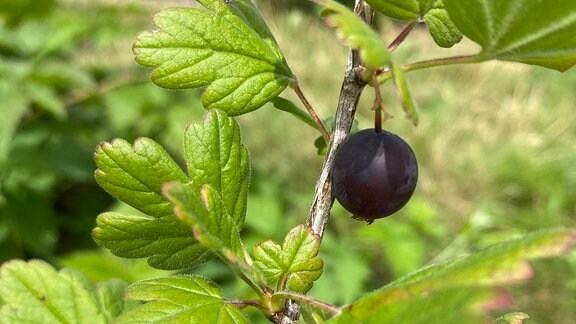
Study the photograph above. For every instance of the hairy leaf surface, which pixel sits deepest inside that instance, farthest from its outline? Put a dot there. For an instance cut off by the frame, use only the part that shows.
(525, 31)
(216, 156)
(295, 263)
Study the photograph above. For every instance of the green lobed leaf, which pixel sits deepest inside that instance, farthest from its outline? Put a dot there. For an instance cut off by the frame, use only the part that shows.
(295, 264)
(168, 243)
(213, 226)
(503, 263)
(180, 299)
(34, 292)
(356, 33)
(228, 49)
(216, 156)
(404, 94)
(135, 174)
(525, 31)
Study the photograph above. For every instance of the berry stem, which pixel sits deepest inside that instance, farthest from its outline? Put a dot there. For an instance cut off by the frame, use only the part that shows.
(377, 104)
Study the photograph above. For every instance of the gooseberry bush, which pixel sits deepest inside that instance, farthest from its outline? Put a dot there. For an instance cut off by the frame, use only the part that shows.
(189, 217)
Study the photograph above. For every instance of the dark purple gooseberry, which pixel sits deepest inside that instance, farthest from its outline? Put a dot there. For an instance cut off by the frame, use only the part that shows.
(374, 174)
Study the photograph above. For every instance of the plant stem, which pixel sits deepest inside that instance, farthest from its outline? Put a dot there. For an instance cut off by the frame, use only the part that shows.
(308, 300)
(311, 111)
(402, 36)
(350, 92)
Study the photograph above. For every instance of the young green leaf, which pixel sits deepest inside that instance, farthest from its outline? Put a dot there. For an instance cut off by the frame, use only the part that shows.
(216, 156)
(525, 31)
(356, 33)
(228, 49)
(500, 264)
(180, 299)
(34, 292)
(295, 264)
(213, 226)
(404, 93)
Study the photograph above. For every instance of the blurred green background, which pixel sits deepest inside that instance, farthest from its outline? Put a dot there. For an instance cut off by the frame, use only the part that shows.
(496, 146)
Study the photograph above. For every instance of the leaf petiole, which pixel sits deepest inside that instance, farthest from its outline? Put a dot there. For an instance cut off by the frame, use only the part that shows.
(402, 36)
(258, 290)
(311, 111)
(386, 74)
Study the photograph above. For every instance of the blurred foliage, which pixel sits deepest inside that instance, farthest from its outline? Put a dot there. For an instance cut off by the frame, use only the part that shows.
(495, 146)
(67, 82)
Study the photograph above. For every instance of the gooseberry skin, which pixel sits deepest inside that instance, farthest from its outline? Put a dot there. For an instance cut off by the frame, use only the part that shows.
(374, 174)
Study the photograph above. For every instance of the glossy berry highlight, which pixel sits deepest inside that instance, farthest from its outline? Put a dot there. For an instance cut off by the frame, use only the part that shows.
(374, 174)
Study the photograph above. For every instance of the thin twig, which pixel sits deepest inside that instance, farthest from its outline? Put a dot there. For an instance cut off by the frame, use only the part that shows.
(312, 112)
(308, 300)
(402, 36)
